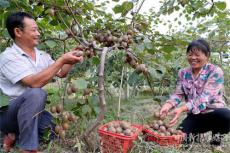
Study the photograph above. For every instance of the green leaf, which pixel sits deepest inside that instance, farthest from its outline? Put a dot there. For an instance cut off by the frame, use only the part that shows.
(168, 48)
(117, 9)
(126, 7)
(140, 48)
(95, 60)
(4, 4)
(86, 109)
(51, 43)
(220, 5)
(4, 100)
(81, 83)
(133, 78)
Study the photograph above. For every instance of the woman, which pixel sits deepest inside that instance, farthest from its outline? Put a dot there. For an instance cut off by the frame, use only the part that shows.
(201, 86)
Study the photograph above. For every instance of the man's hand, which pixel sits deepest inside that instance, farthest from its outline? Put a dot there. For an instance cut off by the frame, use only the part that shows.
(71, 58)
(165, 109)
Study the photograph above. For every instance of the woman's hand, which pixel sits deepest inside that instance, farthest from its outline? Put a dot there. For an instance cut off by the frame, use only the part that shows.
(177, 113)
(165, 109)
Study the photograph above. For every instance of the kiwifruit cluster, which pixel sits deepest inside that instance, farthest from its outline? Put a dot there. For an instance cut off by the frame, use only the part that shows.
(162, 128)
(122, 128)
(109, 39)
(131, 59)
(85, 51)
(65, 118)
(71, 89)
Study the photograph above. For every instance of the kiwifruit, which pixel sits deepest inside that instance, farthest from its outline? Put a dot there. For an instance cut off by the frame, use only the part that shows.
(125, 125)
(86, 91)
(162, 134)
(112, 129)
(65, 126)
(124, 44)
(162, 128)
(116, 125)
(170, 130)
(53, 109)
(125, 38)
(58, 128)
(167, 133)
(156, 126)
(127, 132)
(73, 88)
(66, 117)
(79, 53)
(69, 91)
(51, 12)
(119, 129)
(130, 32)
(59, 108)
(160, 122)
(62, 134)
(140, 68)
(146, 126)
(157, 114)
(110, 125)
(72, 117)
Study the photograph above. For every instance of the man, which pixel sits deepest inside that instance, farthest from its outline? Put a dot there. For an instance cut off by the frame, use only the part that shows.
(24, 70)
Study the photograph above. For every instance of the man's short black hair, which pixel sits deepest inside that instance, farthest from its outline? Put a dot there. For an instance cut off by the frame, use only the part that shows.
(199, 44)
(15, 20)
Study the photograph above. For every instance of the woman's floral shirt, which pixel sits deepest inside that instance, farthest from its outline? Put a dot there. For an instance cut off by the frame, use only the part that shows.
(202, 93)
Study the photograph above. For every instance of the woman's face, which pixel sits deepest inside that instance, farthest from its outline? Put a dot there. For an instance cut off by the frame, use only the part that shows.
(197, 59)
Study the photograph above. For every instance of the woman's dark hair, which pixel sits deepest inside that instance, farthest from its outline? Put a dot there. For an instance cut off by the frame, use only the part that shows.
(15, 20)
(199, 44)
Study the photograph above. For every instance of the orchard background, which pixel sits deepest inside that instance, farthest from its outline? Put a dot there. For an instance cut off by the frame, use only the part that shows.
(130, 65)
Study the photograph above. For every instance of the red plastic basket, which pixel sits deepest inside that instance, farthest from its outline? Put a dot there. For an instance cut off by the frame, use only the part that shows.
(116, 143)
(174, 140)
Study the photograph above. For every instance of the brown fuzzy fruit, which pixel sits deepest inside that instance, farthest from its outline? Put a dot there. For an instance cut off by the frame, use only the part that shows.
(65, 118)
(51, 12)
(157, 114)
(127, 132)
(58, 128)
(112, 129)
(59, 108)
(156, 126)
(119, 130)
(53, 109)
(87, 91)
(79, 53)
(69, 91)
(140, 68)
(162, 129)
(65, 126)
(160, 122)
(125, 125)
(62, 134)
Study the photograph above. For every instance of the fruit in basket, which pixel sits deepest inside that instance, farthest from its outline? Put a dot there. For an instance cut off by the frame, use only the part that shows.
(119, 129)
(162, 129)
(156, 126)
(160, 122)
(128, 132)
(112, 129)
(125, 125)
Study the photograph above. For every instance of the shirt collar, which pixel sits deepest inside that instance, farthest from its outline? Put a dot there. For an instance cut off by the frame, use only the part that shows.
(21, 52)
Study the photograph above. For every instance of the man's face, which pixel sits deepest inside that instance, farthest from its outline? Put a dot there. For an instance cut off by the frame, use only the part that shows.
(30, 33)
